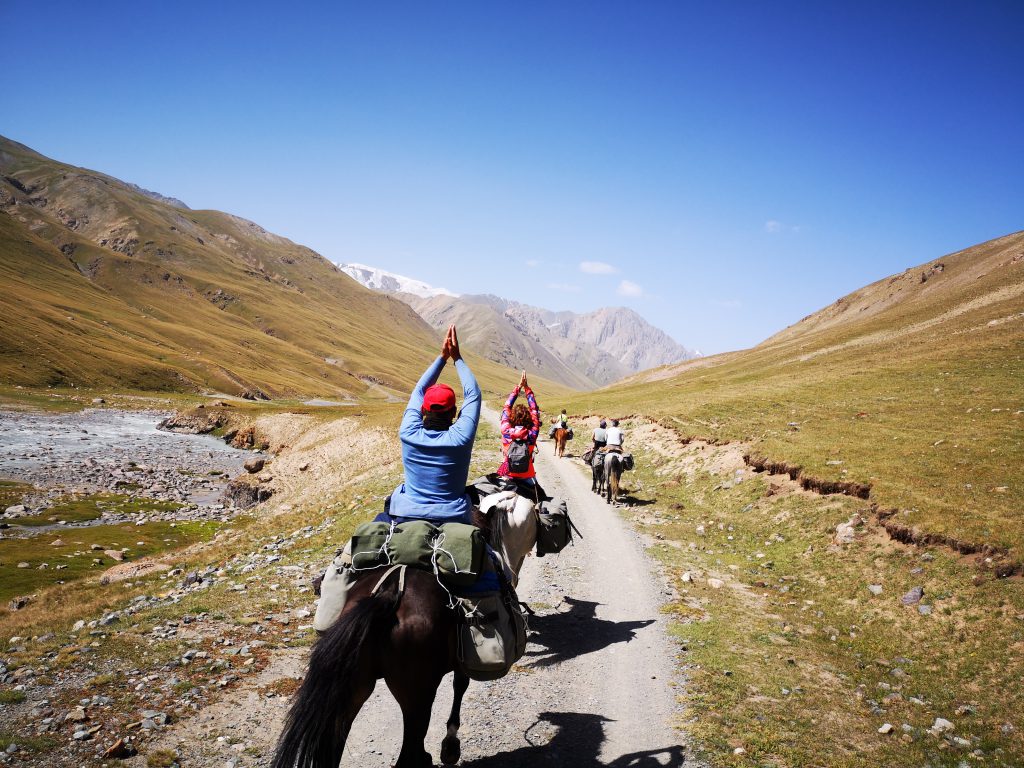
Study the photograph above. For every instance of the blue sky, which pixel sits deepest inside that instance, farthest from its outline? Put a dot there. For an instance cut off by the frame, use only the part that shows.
(733, 166)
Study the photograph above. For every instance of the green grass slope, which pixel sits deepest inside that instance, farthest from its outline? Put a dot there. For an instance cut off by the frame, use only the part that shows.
(913, 385)
(106, 287)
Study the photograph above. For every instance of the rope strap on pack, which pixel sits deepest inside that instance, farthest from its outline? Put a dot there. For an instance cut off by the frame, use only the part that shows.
(388, 572)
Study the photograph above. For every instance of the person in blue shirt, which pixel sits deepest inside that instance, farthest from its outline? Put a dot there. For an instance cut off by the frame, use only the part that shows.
(437, 444)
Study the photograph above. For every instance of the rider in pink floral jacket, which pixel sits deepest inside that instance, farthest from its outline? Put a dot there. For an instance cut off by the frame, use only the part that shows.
(520, 422)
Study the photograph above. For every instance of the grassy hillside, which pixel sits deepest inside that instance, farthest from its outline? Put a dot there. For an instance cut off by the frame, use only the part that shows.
(911, 385)
(106, 287)
(828, 629)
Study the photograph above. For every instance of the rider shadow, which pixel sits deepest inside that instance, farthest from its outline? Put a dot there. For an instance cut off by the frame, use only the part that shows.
(576, 632)
(576, 743)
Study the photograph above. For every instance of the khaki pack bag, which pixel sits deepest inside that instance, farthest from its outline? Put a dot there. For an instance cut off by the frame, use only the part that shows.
(333, 592)
(492, 633)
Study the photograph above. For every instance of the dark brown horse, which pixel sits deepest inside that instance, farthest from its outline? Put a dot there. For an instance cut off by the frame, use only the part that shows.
(408, 638)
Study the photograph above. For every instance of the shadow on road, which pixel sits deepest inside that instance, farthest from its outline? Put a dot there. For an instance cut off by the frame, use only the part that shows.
(576, 743)
(576, 632)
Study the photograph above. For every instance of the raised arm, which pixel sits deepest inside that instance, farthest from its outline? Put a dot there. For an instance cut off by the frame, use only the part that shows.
(506, 414)
(428, 378)
(412, 419)
(464, 428)
(531, 401)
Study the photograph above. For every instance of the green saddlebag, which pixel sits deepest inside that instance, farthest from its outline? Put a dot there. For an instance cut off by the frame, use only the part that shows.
(460, 554)
(458, 548)
(411, 544)
(369, 546)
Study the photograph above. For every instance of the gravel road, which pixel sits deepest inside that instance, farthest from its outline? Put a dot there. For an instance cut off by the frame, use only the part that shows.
(597, 686)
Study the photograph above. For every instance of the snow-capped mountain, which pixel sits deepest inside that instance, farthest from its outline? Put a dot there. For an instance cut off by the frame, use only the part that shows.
(388, 282)
(580, 351)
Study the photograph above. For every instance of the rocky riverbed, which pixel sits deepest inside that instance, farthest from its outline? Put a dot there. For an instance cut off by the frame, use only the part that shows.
(107, 451)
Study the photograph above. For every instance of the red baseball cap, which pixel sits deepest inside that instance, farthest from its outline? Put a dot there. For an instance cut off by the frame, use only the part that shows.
(439, 397)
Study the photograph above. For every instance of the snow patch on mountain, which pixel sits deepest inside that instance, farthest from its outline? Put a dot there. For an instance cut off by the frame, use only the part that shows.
(388, 282)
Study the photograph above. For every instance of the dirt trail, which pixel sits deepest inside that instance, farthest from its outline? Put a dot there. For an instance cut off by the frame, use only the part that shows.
(597, 686)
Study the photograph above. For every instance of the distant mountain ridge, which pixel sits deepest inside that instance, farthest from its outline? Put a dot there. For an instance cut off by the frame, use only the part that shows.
(582, 351)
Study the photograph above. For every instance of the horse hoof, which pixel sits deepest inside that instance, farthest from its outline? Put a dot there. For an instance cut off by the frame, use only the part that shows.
(451, 750)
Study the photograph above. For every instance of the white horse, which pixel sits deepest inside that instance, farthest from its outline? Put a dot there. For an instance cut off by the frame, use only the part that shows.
(512, 520)
(613, 467)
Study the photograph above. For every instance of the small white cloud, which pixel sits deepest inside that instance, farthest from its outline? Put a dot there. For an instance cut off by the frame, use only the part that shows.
(564, 287)
(533, 262)
(597, 268)
(795, 228)
(772, 226)
(629, 288)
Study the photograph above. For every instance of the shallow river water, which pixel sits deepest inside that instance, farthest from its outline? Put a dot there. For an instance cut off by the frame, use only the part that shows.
(106, 449)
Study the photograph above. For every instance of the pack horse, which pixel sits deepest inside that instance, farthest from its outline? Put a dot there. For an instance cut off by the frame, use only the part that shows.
(398, 625)
(607, 468)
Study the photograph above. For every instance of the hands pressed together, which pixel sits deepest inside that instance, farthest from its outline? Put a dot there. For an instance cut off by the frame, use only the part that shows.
(522, 382)
(450, 348)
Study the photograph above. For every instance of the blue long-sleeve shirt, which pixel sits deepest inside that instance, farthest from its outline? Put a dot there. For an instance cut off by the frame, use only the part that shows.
(436, 461)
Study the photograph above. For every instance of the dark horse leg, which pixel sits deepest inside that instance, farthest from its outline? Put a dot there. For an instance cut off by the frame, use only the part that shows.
(421, 654)
(407, 640)
(416, 698)
(451, 749)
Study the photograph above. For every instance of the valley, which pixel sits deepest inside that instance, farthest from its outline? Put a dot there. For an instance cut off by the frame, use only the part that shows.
(820, 560)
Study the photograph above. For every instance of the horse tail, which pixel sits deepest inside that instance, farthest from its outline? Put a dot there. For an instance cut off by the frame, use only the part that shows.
(321, 715)
(612, 471)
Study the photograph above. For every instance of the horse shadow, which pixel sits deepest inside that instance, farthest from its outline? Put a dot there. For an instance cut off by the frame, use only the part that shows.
(632, 501)
(576, 743)
(576, 632)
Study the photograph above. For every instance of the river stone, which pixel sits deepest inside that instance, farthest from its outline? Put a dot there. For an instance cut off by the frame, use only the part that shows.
(252, 466)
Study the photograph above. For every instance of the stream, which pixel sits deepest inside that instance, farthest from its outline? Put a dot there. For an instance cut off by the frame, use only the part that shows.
(116, 452)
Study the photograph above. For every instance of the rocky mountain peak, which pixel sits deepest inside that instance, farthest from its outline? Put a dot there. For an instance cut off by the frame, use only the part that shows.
(580, 350)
